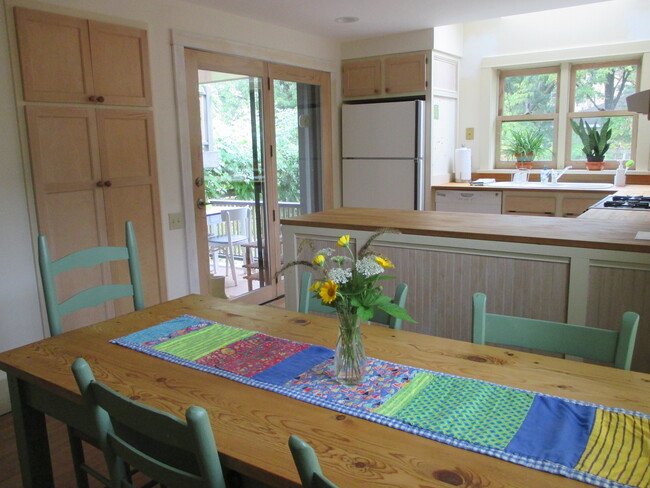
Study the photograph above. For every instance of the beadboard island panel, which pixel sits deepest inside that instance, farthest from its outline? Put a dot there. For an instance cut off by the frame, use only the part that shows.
(538, 267)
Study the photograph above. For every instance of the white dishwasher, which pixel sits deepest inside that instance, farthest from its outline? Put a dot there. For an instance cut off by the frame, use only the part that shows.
(481, 201)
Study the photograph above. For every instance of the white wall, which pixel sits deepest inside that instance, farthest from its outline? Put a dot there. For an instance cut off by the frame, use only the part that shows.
(589, 29)
(20, 314)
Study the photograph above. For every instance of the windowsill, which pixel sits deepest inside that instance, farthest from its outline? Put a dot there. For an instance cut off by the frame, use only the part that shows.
(568, 173)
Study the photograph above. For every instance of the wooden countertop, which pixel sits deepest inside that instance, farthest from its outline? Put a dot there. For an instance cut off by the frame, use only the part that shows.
(625, 190)
(592, 233)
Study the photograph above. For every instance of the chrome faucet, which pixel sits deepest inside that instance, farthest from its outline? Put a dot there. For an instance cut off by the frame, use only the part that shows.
(556, 175)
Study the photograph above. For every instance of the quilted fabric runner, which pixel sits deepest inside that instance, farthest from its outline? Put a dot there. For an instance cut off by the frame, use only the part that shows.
(598, 445)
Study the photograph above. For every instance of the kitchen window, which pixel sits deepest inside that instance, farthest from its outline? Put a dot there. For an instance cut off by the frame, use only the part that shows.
(598, 93)
(534, 104)
(528, 108)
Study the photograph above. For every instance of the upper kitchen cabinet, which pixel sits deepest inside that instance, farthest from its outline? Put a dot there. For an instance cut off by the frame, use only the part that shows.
(385, 76)
(72, 60)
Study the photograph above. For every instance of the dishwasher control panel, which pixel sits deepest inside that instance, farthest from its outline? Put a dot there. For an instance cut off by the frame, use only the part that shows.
(482, 201)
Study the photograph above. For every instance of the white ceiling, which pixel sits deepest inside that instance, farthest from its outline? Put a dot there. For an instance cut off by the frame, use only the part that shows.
(377, 17)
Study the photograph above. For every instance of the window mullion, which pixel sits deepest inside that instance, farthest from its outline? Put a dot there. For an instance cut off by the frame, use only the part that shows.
(563, 130)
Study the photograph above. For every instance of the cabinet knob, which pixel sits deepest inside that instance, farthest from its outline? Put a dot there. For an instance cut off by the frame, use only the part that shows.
(200, 203)
(100, 184)
(98, 99)
(107, 183)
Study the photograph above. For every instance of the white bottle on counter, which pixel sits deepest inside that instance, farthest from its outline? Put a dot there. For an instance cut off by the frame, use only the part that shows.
(619, 176)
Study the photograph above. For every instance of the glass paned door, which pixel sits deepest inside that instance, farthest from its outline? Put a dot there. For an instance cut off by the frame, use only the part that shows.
(298, 141)
(233, 176)
(260, 152)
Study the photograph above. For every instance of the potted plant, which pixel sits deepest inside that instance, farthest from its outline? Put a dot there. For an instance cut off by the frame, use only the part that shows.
(524, 144)
(595, 143)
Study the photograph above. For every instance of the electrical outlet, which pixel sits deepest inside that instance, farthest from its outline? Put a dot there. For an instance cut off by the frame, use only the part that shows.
(176, 221)
(469, 133)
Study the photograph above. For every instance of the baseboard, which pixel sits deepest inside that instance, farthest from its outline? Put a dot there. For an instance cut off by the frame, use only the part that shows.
(5, 405)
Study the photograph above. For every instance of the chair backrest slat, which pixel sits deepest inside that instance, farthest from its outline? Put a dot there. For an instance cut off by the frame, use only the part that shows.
(604, 345)
(90, 297)
(308, 303)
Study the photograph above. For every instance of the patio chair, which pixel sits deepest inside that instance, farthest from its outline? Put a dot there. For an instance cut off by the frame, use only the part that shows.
(236, 230)
(307, 303)
(604, 345)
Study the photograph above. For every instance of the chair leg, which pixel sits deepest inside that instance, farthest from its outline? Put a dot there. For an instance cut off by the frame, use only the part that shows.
(231, 258)
(78, 459)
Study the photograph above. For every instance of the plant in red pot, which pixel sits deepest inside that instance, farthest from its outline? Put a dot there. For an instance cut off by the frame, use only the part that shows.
(523, 145)
(595, 142)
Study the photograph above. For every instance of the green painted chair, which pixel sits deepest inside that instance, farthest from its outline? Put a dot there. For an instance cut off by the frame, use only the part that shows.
(576, 340)
(87, 298)
(307, 303)
(161, 446)
(308, 466)
(90, 297)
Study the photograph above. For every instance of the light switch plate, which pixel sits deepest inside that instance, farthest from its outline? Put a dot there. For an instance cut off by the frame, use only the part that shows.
(176, 221)
(469, 133)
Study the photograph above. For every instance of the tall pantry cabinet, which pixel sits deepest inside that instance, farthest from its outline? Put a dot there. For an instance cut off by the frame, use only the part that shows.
(93, 164)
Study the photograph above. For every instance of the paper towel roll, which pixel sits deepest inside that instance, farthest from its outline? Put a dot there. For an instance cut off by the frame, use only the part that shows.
(463, 164)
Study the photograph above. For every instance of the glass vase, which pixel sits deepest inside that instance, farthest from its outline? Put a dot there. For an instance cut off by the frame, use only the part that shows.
(350, 356)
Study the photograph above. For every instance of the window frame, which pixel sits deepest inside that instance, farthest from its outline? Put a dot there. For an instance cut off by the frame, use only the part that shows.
(554, 117)
(572, 114)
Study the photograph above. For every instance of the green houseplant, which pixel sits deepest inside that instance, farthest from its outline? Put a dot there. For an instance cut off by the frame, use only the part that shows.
(595, 143)
(523, 145)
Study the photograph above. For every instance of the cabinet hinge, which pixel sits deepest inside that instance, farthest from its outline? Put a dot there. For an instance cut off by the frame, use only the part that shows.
(268, 83)
(271, 150)
(273, 212)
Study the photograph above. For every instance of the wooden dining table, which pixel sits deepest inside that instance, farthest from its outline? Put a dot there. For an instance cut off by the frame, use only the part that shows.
(251, 425)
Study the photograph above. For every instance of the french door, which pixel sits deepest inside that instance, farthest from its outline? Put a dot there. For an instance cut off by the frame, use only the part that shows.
(260, 136)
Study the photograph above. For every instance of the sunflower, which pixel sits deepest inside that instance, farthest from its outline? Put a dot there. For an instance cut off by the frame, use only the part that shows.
(383, 262)
(327, 291)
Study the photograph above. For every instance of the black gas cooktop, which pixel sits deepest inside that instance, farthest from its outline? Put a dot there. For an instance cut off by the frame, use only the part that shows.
(624, 202)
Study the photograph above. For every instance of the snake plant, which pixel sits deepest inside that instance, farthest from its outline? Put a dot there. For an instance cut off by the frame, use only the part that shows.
(595, 143)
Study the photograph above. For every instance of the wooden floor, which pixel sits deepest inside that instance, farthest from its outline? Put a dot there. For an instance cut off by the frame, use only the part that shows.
(61, 460)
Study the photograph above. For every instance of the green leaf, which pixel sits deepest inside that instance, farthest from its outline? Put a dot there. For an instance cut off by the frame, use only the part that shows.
(365, 313)
(396, 311)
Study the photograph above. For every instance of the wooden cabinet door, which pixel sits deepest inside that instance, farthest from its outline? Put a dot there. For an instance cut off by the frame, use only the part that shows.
(94, 169)
(128, 162)
(54, 57)
(575, 205)
(72, 60)
(514, 203)
(405, 73)
(362, 78)
(120, 60)
(69, 204)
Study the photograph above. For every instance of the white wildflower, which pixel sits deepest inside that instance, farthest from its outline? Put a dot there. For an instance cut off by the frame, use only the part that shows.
(328, 251)
(368, 266)
(340, 276)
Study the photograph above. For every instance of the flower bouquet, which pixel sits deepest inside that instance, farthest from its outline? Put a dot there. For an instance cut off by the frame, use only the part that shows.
(349, 284)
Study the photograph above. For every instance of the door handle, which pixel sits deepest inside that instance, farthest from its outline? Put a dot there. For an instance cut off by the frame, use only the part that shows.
(200, 203)
(198, 181)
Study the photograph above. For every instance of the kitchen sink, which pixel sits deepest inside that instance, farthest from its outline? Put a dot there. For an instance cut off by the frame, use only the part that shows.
(552, 186)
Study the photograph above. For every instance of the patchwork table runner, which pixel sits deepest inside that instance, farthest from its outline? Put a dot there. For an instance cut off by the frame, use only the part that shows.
(602, 446)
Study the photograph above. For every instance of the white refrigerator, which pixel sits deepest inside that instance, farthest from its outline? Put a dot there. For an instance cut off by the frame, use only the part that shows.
(382, 146)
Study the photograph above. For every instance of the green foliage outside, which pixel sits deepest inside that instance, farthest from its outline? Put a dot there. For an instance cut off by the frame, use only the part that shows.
(596, 89)
(231, 137)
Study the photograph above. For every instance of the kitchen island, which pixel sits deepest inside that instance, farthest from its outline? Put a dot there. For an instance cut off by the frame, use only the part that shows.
(583, 271)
